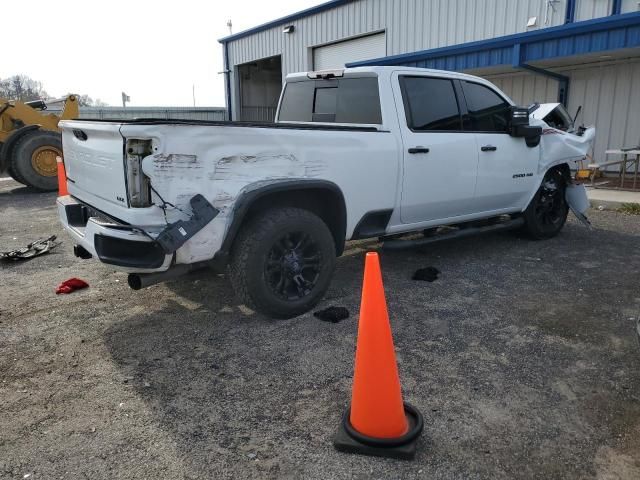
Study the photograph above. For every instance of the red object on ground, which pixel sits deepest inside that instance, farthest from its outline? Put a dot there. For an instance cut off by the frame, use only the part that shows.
(71, 285)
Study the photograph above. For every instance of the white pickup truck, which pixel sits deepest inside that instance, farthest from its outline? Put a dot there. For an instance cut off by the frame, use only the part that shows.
(354, 153)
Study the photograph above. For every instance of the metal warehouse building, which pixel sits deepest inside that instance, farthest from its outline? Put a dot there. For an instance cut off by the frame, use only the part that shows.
(579, 52)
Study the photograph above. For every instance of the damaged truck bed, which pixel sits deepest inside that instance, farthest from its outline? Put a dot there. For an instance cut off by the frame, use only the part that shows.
(354, 153)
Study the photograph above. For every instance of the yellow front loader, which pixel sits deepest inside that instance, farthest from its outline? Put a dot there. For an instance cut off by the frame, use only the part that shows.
(30, 141)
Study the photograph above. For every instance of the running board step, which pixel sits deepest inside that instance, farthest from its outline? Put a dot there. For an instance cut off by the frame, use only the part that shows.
(461, 233)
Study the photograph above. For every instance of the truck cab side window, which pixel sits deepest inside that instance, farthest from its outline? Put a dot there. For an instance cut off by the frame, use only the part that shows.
(430, 104)
(488, 111)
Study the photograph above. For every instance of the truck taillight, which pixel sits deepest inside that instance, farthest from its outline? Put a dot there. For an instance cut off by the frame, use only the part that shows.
(138, 186)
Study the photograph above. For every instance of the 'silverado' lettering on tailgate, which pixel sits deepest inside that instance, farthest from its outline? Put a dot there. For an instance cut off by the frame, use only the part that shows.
(89, 158)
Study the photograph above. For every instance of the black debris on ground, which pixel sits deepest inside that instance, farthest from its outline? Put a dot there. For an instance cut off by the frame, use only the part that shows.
(332, 314)
(36, 248)
(428, 274)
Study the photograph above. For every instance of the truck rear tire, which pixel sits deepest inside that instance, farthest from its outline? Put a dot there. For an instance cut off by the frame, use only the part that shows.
(547, 213)
(33, 160)
(282, 262)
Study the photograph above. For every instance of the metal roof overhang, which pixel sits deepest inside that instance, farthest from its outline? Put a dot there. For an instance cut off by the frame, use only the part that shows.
(613, 33)
(284, 20)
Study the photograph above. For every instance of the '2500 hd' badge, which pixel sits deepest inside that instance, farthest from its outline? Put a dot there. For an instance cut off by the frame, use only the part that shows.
(522, 175)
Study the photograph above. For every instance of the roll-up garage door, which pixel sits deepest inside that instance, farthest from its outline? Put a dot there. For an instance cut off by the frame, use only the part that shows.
(336, 55)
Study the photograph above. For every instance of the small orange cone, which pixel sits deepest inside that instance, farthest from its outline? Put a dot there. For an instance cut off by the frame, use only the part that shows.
(62, 178)
(378, 422)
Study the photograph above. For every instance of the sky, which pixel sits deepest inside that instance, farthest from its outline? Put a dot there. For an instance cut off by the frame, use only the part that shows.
(155, 51)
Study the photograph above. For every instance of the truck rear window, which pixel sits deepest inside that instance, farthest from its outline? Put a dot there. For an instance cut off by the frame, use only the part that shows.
(344, 100)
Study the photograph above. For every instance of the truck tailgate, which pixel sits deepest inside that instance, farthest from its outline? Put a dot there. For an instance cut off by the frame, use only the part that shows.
(94, 160)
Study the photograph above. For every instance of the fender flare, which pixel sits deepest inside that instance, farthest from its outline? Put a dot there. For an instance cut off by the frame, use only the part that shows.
(253, 193)
(7, 147)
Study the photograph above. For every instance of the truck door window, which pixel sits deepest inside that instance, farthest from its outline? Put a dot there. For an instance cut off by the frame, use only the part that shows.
(345, 100)
(430, 104)
(488, 111)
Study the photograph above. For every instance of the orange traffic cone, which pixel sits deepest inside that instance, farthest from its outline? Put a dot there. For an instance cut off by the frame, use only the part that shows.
(62, 178)
(378, 421)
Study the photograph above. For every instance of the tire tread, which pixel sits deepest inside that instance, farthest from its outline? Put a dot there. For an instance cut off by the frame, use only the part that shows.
(249, 239)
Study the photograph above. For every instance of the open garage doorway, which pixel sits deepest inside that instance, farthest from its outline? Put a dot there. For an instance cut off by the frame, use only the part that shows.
(260, 85)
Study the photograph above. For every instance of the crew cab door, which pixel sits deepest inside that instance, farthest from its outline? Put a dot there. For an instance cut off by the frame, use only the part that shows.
(507, 166)
(440, 161)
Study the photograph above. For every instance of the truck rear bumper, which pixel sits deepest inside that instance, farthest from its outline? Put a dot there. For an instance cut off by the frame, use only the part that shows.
(115, 244)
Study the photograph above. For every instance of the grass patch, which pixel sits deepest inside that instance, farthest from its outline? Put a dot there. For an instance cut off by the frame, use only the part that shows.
(630, 208)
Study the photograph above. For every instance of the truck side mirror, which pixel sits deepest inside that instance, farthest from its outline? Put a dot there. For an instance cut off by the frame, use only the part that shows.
(519, 126)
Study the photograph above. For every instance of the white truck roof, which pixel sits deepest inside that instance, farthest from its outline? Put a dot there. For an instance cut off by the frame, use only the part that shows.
(381, 71)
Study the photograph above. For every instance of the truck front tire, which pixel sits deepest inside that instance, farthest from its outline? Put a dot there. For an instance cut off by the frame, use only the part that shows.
(547, 213)
(282, 262)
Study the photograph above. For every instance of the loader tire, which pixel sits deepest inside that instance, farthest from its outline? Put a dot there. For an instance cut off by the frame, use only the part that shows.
(33, 160)
(282, 262)
(4, 162)
(547, 213)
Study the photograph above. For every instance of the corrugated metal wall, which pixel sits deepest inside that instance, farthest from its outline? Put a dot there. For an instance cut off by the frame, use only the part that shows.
(630, 6)
(410, 25)
(610, 99)
(526, 88)
(586, 9)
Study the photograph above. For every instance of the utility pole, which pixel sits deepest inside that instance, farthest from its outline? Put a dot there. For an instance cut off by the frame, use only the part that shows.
(230, 25)
(125, 98)
(193, 93)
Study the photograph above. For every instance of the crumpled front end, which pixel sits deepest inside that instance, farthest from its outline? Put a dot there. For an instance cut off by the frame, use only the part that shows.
(561, 143)
(558, 147)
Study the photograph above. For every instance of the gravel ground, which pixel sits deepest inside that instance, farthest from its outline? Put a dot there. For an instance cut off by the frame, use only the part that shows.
(522, 357)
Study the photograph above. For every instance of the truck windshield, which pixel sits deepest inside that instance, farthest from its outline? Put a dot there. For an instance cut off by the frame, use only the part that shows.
(344, 100)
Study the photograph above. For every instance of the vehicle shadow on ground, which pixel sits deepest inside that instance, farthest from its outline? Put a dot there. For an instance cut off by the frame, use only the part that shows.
(27, 196)
(16, 189)
(233, 387)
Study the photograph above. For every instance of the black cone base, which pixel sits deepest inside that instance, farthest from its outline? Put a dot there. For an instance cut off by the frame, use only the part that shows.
(347, 440)
(344, 443)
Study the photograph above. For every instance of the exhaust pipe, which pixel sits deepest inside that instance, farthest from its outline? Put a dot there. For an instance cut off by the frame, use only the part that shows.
(142, 280)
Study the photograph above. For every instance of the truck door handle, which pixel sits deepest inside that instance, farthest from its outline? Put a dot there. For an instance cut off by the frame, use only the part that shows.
(488, 148)
(418, 150)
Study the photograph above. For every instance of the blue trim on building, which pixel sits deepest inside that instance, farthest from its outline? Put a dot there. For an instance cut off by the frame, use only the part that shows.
(590, 36)
(227, 80)
(616, 8)
(284, 20)
(570, 12)
(563, 81)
